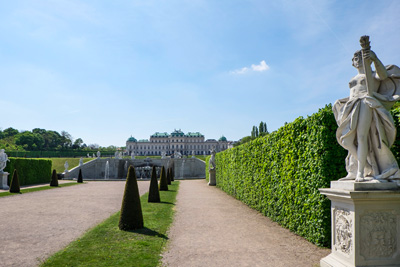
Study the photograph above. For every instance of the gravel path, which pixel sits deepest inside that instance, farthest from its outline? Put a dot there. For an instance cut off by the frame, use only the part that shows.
(35, 225)
(213, 229)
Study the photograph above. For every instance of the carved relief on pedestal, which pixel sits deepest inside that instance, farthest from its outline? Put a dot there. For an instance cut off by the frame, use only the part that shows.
(378, 234)
(343, 231)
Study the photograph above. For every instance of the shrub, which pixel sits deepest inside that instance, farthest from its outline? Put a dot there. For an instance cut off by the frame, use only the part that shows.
(169, 176)
(279, 174)
(80, 179)
(30, 171)
(163, 180)
(54, 179)
(14, 186)
(154, 194)
(172, 174)
(131, 217)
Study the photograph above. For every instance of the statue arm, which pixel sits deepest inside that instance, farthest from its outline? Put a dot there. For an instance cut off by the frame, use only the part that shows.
(381, 72)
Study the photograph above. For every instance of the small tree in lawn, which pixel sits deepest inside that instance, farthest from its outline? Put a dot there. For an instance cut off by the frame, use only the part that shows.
(172, 174)
(163, 180)
(80, 178)
(168, 176)
(54, 179)
(154, 194)
(14, 186)
(131, 217)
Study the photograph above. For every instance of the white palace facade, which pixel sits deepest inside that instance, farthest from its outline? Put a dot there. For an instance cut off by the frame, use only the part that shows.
(177, 141)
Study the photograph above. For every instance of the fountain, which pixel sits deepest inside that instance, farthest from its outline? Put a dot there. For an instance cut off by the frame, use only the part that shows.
(107, 171)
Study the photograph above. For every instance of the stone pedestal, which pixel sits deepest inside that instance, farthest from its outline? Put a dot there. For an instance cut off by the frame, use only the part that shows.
(212, 179)
(3, 180)
(365, 224)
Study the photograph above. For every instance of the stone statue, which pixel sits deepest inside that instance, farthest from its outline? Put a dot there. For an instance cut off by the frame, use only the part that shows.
(93, 156)
(3, 160)
(133, 155)
(98, 154)
(366, 127)
(211, 163)
(116, 154)
(81, 161)
(120, 155)
(193, 154)
(211, 169)
(88, 155)
(66, 165)
(163, 155)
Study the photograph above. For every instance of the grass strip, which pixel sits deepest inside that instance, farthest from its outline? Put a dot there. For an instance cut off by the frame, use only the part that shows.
(106, 245)
(34, 189)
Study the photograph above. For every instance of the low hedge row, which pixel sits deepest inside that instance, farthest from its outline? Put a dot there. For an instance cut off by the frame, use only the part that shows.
(30, 171)
(279, 174)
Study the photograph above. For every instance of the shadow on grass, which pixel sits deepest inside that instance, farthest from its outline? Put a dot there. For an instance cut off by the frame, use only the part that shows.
(149, 232)
(166, 202)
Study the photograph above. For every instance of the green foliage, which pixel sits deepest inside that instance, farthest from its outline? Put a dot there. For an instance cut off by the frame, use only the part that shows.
(396, 117)
(54, 179)
(163, 180)
(14, 186)
(30, 171)
(154, 194)
(80, 178)
(169, 176)
(131, 217)
(279, 174)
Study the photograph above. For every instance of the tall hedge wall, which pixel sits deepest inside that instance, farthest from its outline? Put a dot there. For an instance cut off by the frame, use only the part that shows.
(279, 174)
(30, 171)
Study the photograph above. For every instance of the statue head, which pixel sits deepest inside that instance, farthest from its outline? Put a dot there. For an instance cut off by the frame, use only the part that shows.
(357, 59)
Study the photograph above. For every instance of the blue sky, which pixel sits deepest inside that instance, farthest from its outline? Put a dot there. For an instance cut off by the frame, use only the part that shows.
(106, 70)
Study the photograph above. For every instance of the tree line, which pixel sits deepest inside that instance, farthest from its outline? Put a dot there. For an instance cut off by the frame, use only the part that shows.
(256, 132)
(41, 139)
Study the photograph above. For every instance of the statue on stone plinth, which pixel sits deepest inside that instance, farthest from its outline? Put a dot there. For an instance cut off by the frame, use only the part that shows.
(163, 155)
(366, 127)
(3, 160)
(81, 161)
(211, 168)
(133, 155)
(98, 154)
(66, 165)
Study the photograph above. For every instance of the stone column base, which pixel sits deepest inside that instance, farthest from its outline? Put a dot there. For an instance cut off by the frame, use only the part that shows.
(365, 221)
(212, 179)
(3, 180)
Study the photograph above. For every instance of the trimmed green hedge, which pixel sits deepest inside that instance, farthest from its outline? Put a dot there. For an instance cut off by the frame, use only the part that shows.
(30, 171)
(279, 174)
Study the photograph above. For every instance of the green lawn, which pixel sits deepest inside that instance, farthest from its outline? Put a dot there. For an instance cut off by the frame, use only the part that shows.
(106, 245)
(28, 190)
(58, 163)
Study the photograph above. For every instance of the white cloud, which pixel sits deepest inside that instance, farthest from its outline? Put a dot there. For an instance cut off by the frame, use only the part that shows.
(259, 68)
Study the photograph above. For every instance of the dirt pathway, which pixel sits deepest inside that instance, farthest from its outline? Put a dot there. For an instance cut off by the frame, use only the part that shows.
(214, 229)
(35, 225)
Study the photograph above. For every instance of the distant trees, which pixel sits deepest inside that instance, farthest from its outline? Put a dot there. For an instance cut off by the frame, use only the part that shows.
(255, 133)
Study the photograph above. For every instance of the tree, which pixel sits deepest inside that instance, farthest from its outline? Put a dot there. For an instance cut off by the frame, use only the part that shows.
(10, 132)
(263, 129)
(163, 180)
(172, 174)
(131, 217)
(14, 185)
(54, 179)
(80, 178)
(154, 194)
(67, 139)
(30, 141)
(78, 143)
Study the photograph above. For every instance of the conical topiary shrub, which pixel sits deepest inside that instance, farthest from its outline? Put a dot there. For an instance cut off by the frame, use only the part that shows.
(154, 194)
(131, 217)
(172, 174)
(54, 179)
(80, 178)
(168, 176)
(14, 185)
(163, 180)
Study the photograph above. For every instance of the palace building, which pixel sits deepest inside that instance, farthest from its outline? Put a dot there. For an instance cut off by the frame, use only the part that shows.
(177, 141)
